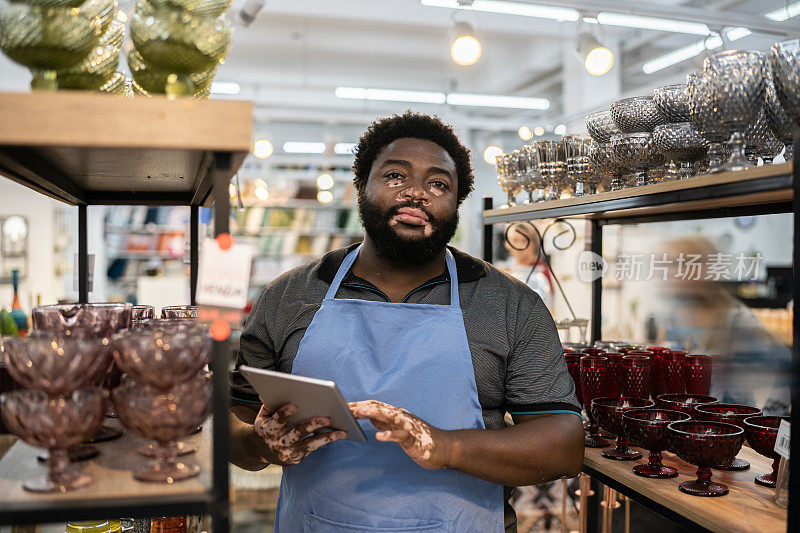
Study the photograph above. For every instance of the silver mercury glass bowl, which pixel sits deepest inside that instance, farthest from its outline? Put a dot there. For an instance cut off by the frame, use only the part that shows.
(603, 161)
(637, 151)
(770, 149)
(682, 144)
(756, 137)
(673, 102)
(786, 76)
(638, 114)
(601, 127)
(706, 120)
(736, 84)
(779, 122)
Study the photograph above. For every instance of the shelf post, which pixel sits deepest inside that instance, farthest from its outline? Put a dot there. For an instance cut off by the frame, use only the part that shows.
(596, 239)
(487, 232)
(793, 520)
(194, 245)
(83, 254)
(220, 516)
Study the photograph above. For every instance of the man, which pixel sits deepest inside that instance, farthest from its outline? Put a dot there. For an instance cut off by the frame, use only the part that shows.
(430, 345)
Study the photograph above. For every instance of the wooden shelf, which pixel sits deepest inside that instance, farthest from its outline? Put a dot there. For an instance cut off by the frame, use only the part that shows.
(88, 148)
(114, 490)
(748, 508)
(759, 186)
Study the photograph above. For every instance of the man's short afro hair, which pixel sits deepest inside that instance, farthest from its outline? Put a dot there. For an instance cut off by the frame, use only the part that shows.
(384, 131)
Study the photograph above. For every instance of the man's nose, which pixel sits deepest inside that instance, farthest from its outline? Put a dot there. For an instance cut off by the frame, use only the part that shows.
(415, 192)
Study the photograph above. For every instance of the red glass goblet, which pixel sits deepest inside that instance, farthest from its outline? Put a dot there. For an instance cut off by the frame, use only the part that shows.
(730, 413)
(761, 433)
(608, 412)
(574, 367)
(697, 373)
(568, 350)
(614, 382)
(685, 403)
(594, 373)
(671, 375)
(647, 428)
(592, 351)
(635, 380)
(705, 444)
(655, 368)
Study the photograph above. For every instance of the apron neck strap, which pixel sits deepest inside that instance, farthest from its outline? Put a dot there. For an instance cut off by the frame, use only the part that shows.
(344, 268)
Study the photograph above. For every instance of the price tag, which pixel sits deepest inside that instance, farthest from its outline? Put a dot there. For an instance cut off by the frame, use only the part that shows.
(782, 442)
(224, 275)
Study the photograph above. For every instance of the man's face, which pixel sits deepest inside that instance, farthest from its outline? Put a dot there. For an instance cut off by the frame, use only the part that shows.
(409, 205)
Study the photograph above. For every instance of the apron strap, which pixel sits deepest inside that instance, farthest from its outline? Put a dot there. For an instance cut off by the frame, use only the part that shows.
(344, 268)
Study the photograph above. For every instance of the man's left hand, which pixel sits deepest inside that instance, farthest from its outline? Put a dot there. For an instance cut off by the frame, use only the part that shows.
(424, 444)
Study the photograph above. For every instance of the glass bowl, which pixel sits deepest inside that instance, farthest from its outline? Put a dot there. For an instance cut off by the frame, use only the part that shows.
(730, 413)
(705, 444)
(685, 403)
(761, 433)
(608, 412)
(647, 428)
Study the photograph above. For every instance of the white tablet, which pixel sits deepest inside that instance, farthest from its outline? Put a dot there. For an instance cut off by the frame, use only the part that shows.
(313, 397)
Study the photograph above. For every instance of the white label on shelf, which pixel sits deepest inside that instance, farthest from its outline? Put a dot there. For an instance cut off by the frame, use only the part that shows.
(89, 277)
(782, 442)
(224, 275)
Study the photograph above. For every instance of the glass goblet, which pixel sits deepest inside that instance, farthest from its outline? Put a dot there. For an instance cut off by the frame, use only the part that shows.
(576, 148)
(573, 366)
(779, 122)
(608, 412)
(761, 433)
(673, 102)
(729, 413)
(165, 417)
(55, 424)
(706, 119)
(704, 444)
(614, 382)
(179, 311)
(672, 368)
(141, 312)
(636, 376)
(507, 179)
(683, 145)
(601, 126)
(638, 114)
(697, 373)
(785, 62)
(647, 428)
(594, 373)
(637, 151)
(685, 403)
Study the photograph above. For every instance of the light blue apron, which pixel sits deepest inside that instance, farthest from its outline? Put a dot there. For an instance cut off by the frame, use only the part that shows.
(413, 356)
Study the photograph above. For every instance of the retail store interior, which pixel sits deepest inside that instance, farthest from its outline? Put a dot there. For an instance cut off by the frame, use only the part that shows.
(504, 75)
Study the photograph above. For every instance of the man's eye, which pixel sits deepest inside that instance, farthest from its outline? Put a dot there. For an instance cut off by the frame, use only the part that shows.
(439, 185)
(394, 176)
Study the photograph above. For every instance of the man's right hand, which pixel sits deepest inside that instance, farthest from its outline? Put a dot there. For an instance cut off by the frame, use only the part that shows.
(289, 446)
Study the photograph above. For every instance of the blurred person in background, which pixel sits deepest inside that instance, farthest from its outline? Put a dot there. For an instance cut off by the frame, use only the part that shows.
(527, 260)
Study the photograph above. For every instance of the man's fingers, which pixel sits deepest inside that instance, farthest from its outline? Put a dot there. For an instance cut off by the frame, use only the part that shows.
(284, 413)
(301, 431)
(317, 441)
(400, 436)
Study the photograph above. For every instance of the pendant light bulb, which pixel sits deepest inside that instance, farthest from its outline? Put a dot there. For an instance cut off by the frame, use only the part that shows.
(597, 59)
(466, 48)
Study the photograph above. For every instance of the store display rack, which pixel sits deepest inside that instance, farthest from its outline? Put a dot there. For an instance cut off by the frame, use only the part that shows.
(760, 190)
(91, 149)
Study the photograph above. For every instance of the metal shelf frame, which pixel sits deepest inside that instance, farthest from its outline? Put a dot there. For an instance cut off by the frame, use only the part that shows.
(602, 213)
(215, 502)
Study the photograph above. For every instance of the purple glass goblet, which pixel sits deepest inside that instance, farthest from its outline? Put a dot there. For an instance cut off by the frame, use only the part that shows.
(705, 444)
(55, 424)
(608, 412)
(671, 375)
(594, 372)
(730, 413)
(161, 358)
(761, 433)
(180, 311)
(647, 428)
(165, 417)
(685, 403)
(636, 376)
(697, 374)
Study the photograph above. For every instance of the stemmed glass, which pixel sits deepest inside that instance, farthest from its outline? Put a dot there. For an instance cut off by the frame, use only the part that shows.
(648, 428)
(614, 382)
(706, 119)
(180, 311)
(519, 166)
(636, 376)
(685, 403)
(672, 369)
(736, 84)
(507, 179)
(681, 143)
(142, 312)
(785, 61)
(576, 149)
(637, 151)
(534, 180)
(729, 413)
(594, 373)
(673, 102)
(761, 433)
(779, 122)
(697, 373)
(551, 166)
(608, 412)
(705, 444)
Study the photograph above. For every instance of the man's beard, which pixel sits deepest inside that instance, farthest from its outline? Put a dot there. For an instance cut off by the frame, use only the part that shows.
(389, 245)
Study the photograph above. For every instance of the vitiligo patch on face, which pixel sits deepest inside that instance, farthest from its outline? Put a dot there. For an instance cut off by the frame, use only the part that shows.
(394, 183)
(410, 193)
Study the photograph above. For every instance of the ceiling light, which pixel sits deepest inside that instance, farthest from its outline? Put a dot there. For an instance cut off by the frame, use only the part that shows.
(390, 95)
(344, 148)
(682, 54)
(538, 131)
(466, 49)
(296, 147)
(262, 149)
(224, 87)
(324, 181)
(561, 129)
(590, 20)
(492, 100)
(525, 133)
(597, 59)
(784, 13)
(651, 23)
(491, 153)
(563, 14)
(325, 197)
(734, 34)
